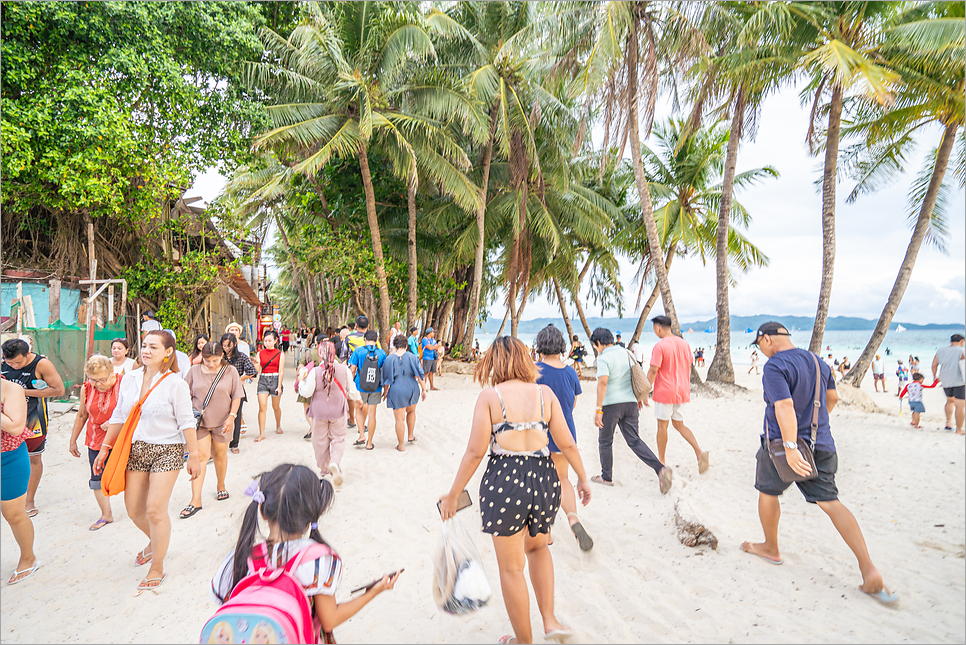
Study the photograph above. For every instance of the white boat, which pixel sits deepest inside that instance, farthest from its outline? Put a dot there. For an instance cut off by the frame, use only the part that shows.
(690, 331)
(900, 328)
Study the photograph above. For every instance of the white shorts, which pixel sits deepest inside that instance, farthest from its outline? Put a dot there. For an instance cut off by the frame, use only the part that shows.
(669, 411)
(353, 391)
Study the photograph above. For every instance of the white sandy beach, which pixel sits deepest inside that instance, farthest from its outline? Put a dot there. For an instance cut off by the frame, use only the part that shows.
(638, 584)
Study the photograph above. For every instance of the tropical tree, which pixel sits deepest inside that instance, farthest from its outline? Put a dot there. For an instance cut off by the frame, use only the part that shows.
(750, 54)
(684, 175)
(840, 58)
(333, 80)
(926, 50)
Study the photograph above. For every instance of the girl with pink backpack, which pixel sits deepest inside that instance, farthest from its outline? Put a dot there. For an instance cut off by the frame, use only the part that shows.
(283, 589)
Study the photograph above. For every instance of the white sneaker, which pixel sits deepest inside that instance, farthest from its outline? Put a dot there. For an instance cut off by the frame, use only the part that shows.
(336, 473)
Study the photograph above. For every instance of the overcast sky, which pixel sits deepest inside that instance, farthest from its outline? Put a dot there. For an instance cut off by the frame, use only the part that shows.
(871, 239)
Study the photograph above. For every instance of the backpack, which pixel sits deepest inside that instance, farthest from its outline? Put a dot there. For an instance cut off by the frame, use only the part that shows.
(271, 603)
(369, 377)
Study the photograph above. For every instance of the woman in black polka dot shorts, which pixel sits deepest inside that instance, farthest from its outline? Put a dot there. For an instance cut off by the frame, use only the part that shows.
(520, 491)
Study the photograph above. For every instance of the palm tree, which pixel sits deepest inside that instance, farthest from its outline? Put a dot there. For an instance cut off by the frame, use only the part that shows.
(926, 50)
(749, 55)
(334, 78)
(684, 174)
(840, 58)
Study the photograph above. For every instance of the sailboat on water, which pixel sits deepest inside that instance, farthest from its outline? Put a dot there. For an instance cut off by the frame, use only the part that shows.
(749, 331)
(900, 328)
(690, 331)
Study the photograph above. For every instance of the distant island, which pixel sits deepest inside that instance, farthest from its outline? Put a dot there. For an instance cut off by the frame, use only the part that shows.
(738, 324)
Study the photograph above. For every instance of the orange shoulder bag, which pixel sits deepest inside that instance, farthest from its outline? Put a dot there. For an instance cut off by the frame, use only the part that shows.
(113, 477)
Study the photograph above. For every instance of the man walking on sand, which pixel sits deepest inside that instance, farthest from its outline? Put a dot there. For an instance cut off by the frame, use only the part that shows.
(617, 405)
(789, 380)
(670, 372)
(430, 346)
(947, 366)
(39, 379)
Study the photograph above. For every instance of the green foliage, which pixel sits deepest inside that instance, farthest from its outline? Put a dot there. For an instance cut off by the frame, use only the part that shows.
(109, 106)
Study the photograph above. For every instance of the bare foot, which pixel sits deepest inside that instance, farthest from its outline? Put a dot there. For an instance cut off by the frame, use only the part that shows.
(704, 462)
(278, 431)
(260, 437)
(758, 548)
(872, 582)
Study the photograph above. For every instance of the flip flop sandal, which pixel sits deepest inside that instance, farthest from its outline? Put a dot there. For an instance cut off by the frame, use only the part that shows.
(29, 572)
(144, 586)
(583, 540)
(400, 449)
(413, 440)
(235, 451)
(222, 495)
(143, 558)
(664, 477)
(600, 480)
(371, 447)
(308, 436)
(33, 512)
(558, 635)
(360, 442)
(98, 525)
(506, 639)
(189, 510)
(883, 595)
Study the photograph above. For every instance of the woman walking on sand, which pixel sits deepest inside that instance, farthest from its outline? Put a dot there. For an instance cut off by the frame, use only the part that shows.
(246, 372)
(271, 360)
(515, 418)
(216, 382)
(200, 341)
(327, 411)
(14, 476)
(97, 402)
(164, 432)
(402, 375)
(120, 362)
(754, 363)
(564, 383)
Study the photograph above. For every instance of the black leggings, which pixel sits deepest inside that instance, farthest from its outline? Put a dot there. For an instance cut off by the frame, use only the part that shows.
(238, 423)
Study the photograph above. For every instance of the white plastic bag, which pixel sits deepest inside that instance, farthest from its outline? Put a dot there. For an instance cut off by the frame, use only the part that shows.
(459, 582)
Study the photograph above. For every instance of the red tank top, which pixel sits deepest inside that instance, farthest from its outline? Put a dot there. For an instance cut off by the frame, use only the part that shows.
(100, 406)
(270, 360)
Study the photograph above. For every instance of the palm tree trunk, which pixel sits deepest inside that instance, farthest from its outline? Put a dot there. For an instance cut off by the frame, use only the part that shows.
(384, 305)
(580, 307)
(471, 315)
(563, 309)
(411, 199)
(860, 367)
(503, 324)
(654, 293)
(647, 210)
(721, 368)
(828, 218)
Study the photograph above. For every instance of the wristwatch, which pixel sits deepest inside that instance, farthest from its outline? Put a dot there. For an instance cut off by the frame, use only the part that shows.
(790, 445)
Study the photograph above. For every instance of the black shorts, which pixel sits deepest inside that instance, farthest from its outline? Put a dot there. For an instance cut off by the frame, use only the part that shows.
(820, 489)
(519, 492)
(958, 392)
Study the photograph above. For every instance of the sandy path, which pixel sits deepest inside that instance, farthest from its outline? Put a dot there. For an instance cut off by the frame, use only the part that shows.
(638, 584)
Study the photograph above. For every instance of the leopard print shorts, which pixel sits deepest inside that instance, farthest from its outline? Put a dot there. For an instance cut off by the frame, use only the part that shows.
(155, 457)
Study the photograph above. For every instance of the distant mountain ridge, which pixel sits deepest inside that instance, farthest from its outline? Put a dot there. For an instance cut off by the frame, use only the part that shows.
(738, 324)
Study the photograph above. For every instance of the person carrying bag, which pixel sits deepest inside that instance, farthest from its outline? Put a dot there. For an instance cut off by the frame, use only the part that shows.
(113, 477)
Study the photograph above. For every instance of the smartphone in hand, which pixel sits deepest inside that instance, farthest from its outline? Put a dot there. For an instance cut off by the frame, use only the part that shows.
(463, 502)
(372, 584)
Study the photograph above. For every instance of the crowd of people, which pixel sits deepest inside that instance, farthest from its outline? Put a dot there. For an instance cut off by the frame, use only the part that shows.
(145, 420)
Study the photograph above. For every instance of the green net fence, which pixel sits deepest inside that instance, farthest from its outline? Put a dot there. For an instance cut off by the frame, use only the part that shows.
(64, 345)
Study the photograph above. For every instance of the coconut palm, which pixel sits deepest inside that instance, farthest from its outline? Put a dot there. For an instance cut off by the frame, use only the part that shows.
(334, 79)
(684, 175)
(750, 54)
(840, 58)
(926, 50)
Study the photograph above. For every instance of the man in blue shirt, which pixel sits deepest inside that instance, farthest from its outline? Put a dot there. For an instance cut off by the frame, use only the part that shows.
(360, 362)
(413, 340)
(789, 391)
(430, 347)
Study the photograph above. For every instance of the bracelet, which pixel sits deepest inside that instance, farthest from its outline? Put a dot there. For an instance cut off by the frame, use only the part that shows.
(600, 410)
(233, 415)
(104, 445)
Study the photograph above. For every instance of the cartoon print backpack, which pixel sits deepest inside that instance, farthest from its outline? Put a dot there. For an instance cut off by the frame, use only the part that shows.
(268, 606)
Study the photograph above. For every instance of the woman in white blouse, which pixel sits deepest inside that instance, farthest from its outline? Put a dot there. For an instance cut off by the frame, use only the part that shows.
(157, 448)
(119, 358)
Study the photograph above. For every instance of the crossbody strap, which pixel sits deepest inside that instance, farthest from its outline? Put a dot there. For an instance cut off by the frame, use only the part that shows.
(817, 404)
(145, 397)
(214, 384)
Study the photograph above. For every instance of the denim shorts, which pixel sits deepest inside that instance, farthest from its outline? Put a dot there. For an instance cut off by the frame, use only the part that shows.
(917, 406)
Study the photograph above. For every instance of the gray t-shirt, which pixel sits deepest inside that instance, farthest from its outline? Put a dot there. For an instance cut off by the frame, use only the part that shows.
(949, 372)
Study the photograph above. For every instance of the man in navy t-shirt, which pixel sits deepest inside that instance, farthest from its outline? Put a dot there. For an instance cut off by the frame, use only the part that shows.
(788, 379)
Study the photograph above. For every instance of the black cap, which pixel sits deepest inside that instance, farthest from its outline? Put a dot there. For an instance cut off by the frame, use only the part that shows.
(770, 329)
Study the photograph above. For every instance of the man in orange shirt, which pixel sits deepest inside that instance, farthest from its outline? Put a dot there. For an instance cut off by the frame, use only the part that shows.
(670, 373)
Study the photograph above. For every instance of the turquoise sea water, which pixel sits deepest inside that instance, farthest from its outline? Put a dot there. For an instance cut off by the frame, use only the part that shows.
(921, 343)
